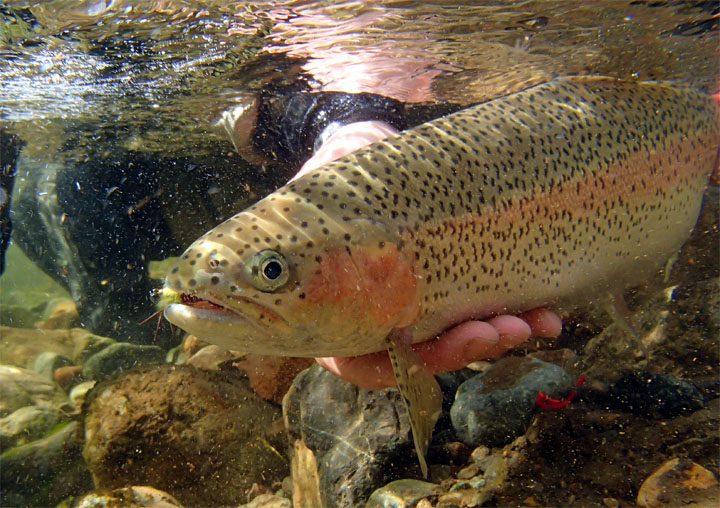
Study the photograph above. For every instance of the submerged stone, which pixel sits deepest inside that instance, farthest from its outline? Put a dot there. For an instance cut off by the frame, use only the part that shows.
(268, 501)
(679, 482)
(88, 345)
(45, 471)
(360, 437)
(28, 423)
(655, 395)
(21, 387)
(400, 494)
(47, 362)
(203, 436)
(129, 497)
(497, 406)
(121, 356)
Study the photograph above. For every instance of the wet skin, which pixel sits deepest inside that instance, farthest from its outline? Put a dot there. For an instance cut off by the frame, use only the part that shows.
(454, 349)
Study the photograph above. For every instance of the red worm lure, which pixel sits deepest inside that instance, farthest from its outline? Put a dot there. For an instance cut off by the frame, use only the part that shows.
(545, 401)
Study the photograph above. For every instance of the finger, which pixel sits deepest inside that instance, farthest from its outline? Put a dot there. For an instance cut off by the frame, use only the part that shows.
(463, 344)
(512, 330)
(543, 322)
(372, 371)
(453, 350)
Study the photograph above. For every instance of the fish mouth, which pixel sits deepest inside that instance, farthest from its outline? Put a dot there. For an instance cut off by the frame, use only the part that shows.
(239, 327)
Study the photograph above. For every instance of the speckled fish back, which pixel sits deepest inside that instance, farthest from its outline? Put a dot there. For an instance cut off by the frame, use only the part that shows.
(576, 186)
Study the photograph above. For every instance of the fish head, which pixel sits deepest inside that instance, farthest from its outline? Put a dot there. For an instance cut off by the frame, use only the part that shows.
(287, 277)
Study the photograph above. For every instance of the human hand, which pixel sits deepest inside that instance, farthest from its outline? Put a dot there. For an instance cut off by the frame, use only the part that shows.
(465, 343)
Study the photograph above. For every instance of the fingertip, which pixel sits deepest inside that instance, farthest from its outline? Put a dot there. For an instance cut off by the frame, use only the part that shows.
(512, 329)
(329, 363)
(543, 322)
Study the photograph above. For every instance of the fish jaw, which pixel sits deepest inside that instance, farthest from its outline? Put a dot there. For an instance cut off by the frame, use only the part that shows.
(214, 324)
(230, 329)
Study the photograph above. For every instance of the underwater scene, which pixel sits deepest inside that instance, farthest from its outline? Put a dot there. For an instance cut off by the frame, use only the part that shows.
(329, 254)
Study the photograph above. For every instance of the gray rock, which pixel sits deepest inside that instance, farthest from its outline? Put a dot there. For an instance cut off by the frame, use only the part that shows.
(46, 471)
(268, 501)
(121, 356)
(80, 391)
(400, 494)
(48, 361)
(210, 357)
(21, 387)
(28, 424)
(497, 406)
(176, 355)
(129, 497)
(356, 435)
(89, 345)
(656, 395)
(202, 436)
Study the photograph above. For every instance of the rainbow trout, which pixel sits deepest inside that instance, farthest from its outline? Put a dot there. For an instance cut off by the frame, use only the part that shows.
(547, 197)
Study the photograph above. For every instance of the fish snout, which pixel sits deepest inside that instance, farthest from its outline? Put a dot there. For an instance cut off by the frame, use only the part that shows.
(205, 265)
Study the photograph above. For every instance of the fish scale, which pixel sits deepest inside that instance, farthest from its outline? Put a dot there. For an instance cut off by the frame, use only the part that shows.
(551, 196)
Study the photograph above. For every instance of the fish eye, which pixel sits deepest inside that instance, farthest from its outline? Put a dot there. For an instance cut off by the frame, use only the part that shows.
(267, 270)
(272, 269)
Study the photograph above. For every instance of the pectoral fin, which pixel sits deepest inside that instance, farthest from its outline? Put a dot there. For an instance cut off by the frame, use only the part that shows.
(419, 390)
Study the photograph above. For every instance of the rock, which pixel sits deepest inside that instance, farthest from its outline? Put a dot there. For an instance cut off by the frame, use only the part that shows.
(22, 387)
(656, 395)
(191, 345)
(484, 477)
(496, 406)
(59, 313)
(45, 471)
(20, 346)
(28, 423)
(16, 316)
(271, 376)
(88, 345)
(400, 494)
(176, 355)
(679, 482)
(450, 382)
(200, 435)
(121, 356)
(129, 497)
(355, 434)
(67, 377)
(210, 357)
(47, 362)
(268, 501)
(80, 391)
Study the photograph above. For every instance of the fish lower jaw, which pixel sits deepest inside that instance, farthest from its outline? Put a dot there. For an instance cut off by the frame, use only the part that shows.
(218, 326)
(190, 318)
(228, 329)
